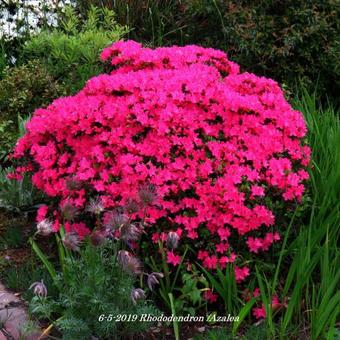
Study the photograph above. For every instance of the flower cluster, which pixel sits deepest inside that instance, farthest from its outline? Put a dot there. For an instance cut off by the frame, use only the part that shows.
(211, 143)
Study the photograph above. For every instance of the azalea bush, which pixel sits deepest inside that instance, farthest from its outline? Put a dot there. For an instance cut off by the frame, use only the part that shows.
(182, 141)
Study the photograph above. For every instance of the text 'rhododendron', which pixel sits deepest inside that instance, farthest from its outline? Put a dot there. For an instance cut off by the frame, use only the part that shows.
(214, 142)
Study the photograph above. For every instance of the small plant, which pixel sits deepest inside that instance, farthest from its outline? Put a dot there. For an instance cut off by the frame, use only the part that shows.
(216, 334)
(96, 273)
(94, 286)
(17, 195)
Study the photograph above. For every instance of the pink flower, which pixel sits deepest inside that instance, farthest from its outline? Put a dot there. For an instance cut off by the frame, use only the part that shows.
(79, 228)
(210, 262)
(224, 233)
(42, 213)
(56, 226)
(254, 244)
(256, 292)
(257, 191)
(260, 312)
(173, 259)
(210, 296)
(241, 273)
(222, 247)
(155, 237)
(202, 254)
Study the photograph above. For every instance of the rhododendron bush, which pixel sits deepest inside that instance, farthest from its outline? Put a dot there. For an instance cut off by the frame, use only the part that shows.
(215, 145)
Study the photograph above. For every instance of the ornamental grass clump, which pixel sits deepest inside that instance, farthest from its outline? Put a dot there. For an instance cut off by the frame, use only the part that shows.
(181, 137)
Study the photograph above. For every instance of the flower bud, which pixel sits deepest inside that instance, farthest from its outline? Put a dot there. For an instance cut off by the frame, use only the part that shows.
(44, 227)
(153, 279)
(123, 257)
(131, 206)
(147, 194)
(129, 263)
(71, 241)
(39, 288)
(73, 184)
(137, 294)
(172, 240)
(98, 237)
(95, 206)
(69, 212)
(130, 232)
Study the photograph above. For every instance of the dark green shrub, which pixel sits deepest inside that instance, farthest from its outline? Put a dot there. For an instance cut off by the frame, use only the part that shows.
(71, 52)
(157, 22)
(22, 90)
(284, 40)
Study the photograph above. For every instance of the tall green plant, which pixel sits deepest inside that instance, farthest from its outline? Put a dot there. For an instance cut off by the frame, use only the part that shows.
(312, 280)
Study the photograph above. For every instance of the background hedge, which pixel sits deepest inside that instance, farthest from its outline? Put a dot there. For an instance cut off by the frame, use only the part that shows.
(286, 40)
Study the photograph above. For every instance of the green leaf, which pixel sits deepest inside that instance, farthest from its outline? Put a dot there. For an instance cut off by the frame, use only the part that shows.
(43, 259)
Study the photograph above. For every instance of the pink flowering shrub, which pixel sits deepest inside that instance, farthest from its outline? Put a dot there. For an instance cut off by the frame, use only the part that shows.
(217, 145)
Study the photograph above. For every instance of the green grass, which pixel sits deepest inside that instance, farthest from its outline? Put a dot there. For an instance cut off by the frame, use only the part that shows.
(316, 254)
(19, 278)
(12, 238)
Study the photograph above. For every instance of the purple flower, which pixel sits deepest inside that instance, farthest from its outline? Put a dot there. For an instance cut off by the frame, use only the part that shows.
(115, 219)
(44, 227)
(131, 206)
(98, 237)
(153, 279)
(129, 263)
(130, 232)
(71, 241)
(147, 194)
(172, 240)
(39, 288)
(137, 294)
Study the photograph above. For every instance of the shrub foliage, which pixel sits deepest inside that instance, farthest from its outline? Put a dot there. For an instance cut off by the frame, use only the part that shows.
(22, 90)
